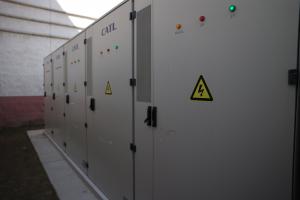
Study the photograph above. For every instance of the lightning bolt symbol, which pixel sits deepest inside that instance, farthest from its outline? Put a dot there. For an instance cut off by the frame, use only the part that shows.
(200, 90)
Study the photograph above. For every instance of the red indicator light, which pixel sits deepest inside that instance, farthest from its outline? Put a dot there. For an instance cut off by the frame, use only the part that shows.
(202, 18)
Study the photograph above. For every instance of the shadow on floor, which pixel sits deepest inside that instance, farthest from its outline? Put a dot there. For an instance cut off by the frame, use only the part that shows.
(21, 173)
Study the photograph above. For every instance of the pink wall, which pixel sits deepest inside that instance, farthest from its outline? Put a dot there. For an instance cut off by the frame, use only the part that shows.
(21, 110)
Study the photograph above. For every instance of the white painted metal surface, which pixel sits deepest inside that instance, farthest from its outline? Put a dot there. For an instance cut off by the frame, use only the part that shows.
(143, 134)
(240, 145)
(110, 159)
(75, 110)
(59, 100)
(48, 93)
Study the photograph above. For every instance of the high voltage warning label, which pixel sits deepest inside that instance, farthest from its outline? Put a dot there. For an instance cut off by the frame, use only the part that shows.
(201, 91)
(108, 90)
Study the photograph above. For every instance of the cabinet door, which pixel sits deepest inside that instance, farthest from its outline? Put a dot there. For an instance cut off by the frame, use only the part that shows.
(48, 92)
(143, 103)
(76, 109)
(59, 101)
(235, 141)
(110, 122)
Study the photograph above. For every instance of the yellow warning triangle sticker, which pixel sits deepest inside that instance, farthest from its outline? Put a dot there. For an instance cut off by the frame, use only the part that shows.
(201, 91)
(108, 89)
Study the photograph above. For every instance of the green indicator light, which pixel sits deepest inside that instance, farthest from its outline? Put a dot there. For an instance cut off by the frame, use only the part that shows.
(232, 8)
(116, 47)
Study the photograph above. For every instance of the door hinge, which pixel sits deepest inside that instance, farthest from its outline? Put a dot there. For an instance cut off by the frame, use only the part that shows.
(45, 94)
(64, 53)
(132, 147)
(84, 41)
(64, 114)
(65, 144)
(132, 15)
(85, 125)
(51, 60)
(293, 76)
(52, 132)
(53, 96)
(132, 82)
(64, 84)
(85, 83)
(85, 164)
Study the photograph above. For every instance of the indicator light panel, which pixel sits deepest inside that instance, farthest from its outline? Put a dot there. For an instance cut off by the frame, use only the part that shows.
(232, 8)
(202, 18)
(178, 26)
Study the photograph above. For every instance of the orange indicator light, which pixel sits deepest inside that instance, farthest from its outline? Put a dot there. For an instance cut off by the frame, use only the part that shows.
(178, 26)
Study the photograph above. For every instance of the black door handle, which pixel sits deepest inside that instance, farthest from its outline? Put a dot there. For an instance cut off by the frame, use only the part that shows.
(148, 120)
(92, 104)
(154, 117)
(67, 99)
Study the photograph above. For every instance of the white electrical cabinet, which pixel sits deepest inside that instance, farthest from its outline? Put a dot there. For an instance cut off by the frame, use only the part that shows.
(161, 100)
(110, 103)
(58, 97)
(48, 93)
(225, 111)
(75, 98)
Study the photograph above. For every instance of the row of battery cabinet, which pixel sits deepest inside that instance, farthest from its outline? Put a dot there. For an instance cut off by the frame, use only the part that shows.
(196, 147)
(95, 66)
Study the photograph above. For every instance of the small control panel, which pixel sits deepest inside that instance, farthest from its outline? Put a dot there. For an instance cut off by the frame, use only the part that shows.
(202, 19)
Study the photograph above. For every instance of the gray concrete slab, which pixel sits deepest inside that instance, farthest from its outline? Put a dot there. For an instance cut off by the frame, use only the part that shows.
(66, 182)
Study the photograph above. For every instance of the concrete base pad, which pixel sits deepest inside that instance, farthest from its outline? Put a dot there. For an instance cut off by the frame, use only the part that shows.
(67, 183)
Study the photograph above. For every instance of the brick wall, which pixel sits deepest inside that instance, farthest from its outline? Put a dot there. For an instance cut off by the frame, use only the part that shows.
(21, 110)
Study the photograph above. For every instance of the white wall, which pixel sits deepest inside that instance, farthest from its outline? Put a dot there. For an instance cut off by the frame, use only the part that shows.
(31, 29)
(20, 62)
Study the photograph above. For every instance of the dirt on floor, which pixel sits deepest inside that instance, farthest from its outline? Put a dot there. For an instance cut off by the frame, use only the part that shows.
(22, 176)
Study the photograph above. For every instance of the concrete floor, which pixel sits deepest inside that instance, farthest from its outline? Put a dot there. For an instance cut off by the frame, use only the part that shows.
(66, 182)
